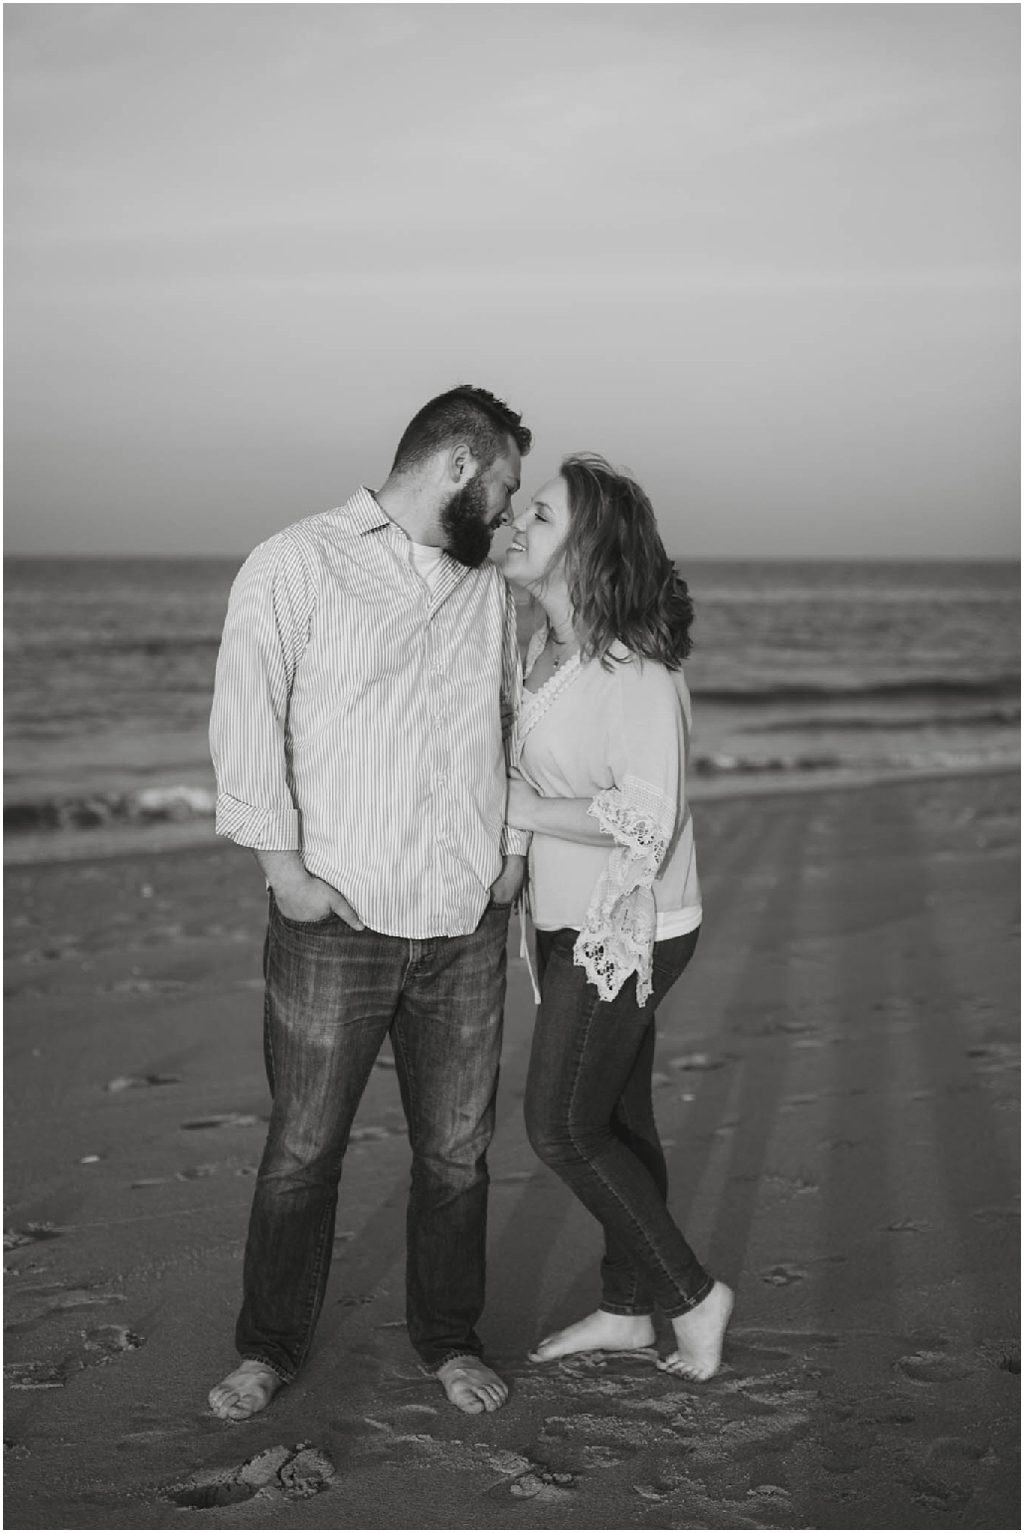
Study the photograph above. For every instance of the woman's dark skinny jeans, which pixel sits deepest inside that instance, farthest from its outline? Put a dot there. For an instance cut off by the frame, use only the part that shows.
(590, 1117)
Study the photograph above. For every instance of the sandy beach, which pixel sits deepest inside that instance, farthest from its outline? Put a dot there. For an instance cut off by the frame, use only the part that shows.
(838, 1089)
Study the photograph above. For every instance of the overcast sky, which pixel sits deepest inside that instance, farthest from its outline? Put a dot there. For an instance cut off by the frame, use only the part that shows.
(764, 256)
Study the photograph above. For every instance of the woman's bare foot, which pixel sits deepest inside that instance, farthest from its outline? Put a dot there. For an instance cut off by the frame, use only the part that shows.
(699, 1335)
(599, 1332)
(249, 1389)
(471, 1385)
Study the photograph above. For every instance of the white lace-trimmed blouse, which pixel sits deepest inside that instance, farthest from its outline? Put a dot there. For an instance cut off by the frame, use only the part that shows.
(619, 737)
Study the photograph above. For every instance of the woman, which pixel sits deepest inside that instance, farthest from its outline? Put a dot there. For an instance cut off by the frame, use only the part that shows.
(600, 757)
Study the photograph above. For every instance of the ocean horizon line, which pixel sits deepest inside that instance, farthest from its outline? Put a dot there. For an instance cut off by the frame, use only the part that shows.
(51, 556)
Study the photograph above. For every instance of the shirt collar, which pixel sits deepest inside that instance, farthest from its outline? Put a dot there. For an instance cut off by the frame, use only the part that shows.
(368, 515)
(366, 512)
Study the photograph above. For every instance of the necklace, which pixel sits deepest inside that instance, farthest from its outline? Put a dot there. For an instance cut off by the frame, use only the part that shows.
(557, 659)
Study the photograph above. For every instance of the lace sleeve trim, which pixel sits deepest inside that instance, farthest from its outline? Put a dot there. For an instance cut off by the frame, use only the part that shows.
(617, 937)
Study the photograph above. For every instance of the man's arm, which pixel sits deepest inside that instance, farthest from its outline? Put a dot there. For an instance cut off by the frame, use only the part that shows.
(264, 637)
(514, 844)
(265, 634)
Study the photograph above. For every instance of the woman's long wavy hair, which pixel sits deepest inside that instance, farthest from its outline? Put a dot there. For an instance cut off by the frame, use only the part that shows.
(622, 584)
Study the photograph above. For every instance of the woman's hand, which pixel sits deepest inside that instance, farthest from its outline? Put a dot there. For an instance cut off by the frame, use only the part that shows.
(520, 812)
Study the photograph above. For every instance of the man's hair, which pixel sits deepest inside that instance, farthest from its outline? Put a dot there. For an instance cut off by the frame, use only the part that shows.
(622, 584)
(465, 414)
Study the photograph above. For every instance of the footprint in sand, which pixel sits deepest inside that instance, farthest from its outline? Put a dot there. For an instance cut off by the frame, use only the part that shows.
(62, 948)
(941, 1498)
(585, 1365)
(655, 1490)
(847, 1449)
(54, 1299)
(601, 1456)
(223, 1120)
(139, 986)
(792, 1186)
(188, 1174)
(932, 1367)
(781, 1275)
(905, 1227)
(99, 1346)
(130, 1082)
(737, 1442)
(280, 1473)
(1005, 1215)
(538, 1484)
(1002, 1352)
(601, 1433)
(148, 1436)
(29, 1234)
(35, 1375)
(697, 1062)
(105, 1342)
(944, 1450)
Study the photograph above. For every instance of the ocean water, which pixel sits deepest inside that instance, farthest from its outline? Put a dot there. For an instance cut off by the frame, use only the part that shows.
(799, 671)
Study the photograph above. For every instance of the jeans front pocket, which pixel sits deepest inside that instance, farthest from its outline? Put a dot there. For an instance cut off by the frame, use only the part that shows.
(293, 925)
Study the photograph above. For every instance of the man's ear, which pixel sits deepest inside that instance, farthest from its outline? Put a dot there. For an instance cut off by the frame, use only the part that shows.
(461, 464)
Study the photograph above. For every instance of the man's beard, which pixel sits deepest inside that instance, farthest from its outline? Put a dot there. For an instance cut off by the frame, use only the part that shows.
(467, 536)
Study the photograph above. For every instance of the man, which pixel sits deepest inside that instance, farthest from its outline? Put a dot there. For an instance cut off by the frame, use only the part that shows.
(368, 659)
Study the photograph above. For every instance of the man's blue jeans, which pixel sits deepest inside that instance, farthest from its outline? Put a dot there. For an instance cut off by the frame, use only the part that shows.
(332, 996)
(590, 1117)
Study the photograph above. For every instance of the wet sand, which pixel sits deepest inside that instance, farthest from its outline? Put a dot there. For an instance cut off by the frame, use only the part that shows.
(838, 1088)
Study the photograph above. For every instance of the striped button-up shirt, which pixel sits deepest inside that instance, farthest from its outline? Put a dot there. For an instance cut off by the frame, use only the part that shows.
(358, 719)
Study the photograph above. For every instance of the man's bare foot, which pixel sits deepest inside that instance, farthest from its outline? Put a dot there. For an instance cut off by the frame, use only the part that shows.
(249, 1389)
(599, 1332)
(699, 1335)
(471, 1385)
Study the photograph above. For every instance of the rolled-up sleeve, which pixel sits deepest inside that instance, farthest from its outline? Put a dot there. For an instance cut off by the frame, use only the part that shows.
(642, 811)
(513, 843)
(265, 634)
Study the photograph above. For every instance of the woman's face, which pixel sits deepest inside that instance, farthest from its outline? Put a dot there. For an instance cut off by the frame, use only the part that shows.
(534, 555)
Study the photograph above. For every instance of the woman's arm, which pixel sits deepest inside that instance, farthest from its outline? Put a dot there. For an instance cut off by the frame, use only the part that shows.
(567, 818)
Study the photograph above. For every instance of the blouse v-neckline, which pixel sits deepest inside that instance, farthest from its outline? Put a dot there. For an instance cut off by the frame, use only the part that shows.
(536, 704)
